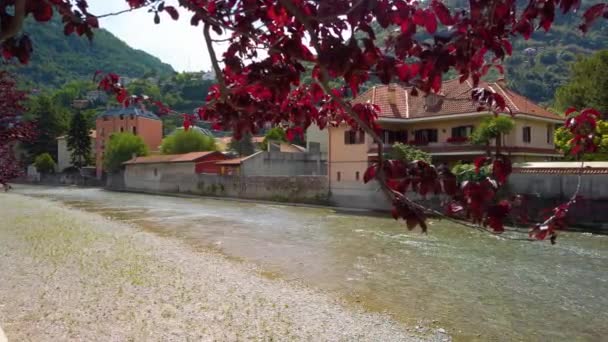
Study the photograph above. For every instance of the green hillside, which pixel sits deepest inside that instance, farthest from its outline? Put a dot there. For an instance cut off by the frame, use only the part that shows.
(58, 59)
(541, 64)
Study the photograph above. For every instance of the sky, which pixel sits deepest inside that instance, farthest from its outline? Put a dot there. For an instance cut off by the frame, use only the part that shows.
(175, 42)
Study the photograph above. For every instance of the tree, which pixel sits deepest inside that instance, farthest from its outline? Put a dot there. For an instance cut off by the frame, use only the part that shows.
(256, 89)
(276, 134)
(408, 153)
(79, 141)
(563, 142)
(44, 163)
(587, 85)
(121, 148)
(51, 122)
(12, 127)
(493, 128)
(243, 147)
(185, 141)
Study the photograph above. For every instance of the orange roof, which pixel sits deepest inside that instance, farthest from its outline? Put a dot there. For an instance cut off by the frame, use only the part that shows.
(171, 158)
(233, 162)
(396, 101)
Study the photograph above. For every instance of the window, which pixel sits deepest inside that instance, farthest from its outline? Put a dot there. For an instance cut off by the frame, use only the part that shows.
(122, 129)
(527, 133)
(155, 172)
(357, 175)
(425, 135)
(354, 137)
(462, 131)
(134, 130)
(132, 116)
(122, 117)
(391, 137)
(549, 134)
(339, 176)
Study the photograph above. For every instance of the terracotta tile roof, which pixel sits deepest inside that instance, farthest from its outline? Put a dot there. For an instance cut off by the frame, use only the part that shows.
(171, 158)
(562, 171)
(396, 101)
(231, 162)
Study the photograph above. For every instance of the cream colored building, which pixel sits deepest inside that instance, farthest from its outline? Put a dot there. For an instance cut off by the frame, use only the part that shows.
(64, 157)
(438, 124)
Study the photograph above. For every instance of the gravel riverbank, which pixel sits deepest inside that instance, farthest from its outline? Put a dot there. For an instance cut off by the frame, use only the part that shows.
(72, 275)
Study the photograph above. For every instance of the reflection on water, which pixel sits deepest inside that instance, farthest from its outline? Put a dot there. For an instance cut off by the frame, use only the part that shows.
(477, 286)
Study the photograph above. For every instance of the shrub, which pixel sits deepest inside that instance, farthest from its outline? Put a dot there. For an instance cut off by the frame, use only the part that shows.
(122, 147)
(407, 152)
(184, 141)
(44, 163)
(466, 172)
(274, 134)
(491, 128)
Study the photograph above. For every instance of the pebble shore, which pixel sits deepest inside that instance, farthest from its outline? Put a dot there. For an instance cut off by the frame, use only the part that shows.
(69, 275)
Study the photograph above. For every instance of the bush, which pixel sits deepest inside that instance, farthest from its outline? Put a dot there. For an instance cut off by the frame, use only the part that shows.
(466, 172)
(122, 147)
(407, 152)
(491, 128)
(44, 163)
(184, 141)
(274, 134)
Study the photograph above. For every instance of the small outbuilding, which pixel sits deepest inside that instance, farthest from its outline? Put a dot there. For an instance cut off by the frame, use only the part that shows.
(186, 164)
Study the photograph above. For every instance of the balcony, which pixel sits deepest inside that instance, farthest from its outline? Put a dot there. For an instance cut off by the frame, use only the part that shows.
(466, 148)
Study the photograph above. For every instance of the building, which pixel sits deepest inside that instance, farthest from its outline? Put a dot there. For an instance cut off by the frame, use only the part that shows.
(439, 124)
(64, 157)
(284, 160)
(131, 119)
(161, 171)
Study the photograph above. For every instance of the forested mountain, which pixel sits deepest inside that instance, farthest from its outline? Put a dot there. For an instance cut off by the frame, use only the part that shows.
(541, 64)
(58, 59)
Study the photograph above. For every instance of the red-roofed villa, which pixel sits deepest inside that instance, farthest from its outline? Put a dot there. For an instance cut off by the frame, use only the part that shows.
(440, 124)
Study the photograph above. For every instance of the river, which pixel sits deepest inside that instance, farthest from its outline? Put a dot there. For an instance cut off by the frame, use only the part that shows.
(476, 286)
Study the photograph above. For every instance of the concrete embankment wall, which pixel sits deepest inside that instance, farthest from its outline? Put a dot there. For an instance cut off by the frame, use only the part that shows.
(545, 191)
(542, 193)
(309, 189)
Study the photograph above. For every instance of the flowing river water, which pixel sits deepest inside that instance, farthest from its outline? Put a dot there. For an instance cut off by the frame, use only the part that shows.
(476, 286)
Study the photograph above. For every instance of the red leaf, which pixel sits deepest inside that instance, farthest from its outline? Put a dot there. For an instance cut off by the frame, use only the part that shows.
(570, 111)
(211, 8)
(507, 46)
(479, 162)
(172, 12)
(430, 23)
(92, 21)
(395, 213)
(443, 13)
(593, 13)
(121, 95)
(43, 12)
(370, 173)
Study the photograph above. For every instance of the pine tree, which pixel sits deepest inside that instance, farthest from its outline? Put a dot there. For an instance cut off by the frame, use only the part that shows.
(79, 141)
(50, 121)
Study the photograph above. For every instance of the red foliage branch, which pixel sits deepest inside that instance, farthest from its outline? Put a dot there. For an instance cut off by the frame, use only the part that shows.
(255, 89)
(12, 127)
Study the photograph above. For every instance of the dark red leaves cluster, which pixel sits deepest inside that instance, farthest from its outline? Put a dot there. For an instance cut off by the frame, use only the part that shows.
(583, 126)
(12, 126)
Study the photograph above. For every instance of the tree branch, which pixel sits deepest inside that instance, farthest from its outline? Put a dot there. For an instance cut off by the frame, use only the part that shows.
(15, 23)
(214, 62)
